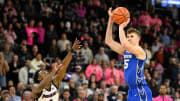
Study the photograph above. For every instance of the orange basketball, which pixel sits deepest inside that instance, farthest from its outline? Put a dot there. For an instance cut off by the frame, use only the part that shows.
(120, 15)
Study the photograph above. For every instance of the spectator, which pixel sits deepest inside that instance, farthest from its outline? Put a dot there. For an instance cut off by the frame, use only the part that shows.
(111, 73)
(81, 9)
(35, 63)
(100, 97)
(176, 96)
(156, 23)
(23, 54)
(4, 68)
(41, 32)
(70, 13)
(122, 77)
(104, 89)
(149, 55)
(9, 5)
(165, 37)
(50, 35)
(76, 74)
(10, 33)
(26, 73)
(81, 94)
(31, 32)
(14, 69)
(66, 96)
(162, 96)
(53, 50)
(102, 56)
(61, 44)
(113, 95)
(154, 87)
(145, 19)
(27, 95)
(8, 53)
(176, 83)
(120, 96)
(5, 95)
(22, 19)
(87, 53)
(72, 88)
(94, 68)
(78, 59)
(20, 33)
(13, 96)
(35, 51)
(20, 89)
(30, 9)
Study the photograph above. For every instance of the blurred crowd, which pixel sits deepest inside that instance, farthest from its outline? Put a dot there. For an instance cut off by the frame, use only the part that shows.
(36, 33)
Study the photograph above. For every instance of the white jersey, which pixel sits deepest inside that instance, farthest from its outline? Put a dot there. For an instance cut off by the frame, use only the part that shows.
(49, 95)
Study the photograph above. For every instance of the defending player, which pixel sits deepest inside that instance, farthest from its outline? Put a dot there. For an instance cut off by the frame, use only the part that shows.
(47, 90)
(134, 59)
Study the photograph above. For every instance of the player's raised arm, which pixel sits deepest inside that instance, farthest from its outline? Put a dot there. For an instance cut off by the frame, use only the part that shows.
(46, 81)
(131, 42)
(115, 46)
(65, 63)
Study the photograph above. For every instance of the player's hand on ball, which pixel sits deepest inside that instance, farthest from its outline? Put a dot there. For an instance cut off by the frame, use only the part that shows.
(124, 24)
(110, 13)
(76, 45)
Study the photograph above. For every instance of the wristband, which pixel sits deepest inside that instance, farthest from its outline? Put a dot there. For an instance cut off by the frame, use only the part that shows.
(72, 51)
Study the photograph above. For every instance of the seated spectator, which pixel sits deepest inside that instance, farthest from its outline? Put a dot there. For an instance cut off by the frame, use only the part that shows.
(81, 93)
(100, 97)
(27, 95)
(102, 56)
(4, 68)
(113, 94)
(176, 96)
(72, 88)
(5, 95)
(61, 44)
(66, 96)
(26, 73)
(11, 34)
(20, 89)
(162, 96)
(13, 96)
(14, 69)
(94, 68)
(111, 73)
(103, 88)
(76, 74)
(36, 62)
(8, 53)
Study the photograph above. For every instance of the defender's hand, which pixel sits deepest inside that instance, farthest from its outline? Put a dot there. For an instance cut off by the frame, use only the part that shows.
(76, 45)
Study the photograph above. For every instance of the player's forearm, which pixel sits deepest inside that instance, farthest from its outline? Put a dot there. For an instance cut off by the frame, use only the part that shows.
(67, 57)
(109, 31)
(122, 37)
(65, 64)
(46, 80)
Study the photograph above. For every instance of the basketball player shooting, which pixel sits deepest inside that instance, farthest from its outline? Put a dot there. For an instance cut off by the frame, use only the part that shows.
(134, 59)
(47, 90)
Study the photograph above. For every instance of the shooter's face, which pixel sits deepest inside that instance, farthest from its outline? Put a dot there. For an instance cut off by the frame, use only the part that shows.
(42, 75)
(133, 38)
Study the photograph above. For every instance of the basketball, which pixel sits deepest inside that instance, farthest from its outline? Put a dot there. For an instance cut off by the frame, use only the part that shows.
(120, 15)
